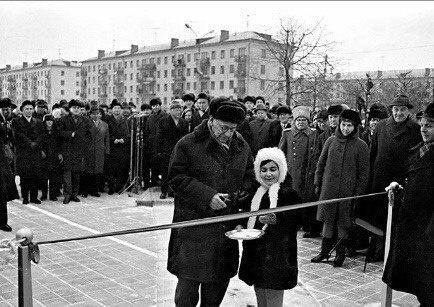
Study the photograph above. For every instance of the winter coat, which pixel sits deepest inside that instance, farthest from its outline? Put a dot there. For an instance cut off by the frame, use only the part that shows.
(410, 264)
(270, 262)
(342, 171)
(74, 148)
(261, 133)
(197, 119)
(50, 145)
(276, 132)
(322, 138)
(299, 149)
(28, 136)
(119, 152)
(199, 168)
(8, 189)
(151, 132)
(389, 154)
(367, 137)
(168, 134)
(99, 147)
(244, 130)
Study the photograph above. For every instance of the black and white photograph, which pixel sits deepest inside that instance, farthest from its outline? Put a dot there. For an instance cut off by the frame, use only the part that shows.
(217, 153)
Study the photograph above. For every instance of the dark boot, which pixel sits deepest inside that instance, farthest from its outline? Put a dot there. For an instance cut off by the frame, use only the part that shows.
(340, 254)
(326, 247)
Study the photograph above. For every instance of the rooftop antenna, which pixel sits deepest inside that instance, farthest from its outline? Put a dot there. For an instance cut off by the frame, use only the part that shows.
(247, 20)
(60, 54)
(114, 44)
(155, 33)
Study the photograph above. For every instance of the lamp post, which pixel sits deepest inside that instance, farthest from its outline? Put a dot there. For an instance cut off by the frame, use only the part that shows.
(198, 40)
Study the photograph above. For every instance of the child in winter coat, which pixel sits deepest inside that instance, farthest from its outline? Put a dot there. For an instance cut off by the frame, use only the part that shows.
(342, 171)
(270, 262)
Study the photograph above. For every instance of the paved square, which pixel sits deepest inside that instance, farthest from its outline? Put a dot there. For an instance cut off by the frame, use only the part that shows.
(130, 270)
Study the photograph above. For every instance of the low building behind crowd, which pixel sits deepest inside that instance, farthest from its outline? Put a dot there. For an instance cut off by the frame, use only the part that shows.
(50, 81)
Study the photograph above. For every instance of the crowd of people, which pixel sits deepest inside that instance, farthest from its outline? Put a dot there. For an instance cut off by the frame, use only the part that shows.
(218, 156)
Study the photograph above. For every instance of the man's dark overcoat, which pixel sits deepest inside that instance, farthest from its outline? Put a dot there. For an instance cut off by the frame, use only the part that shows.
(98, 149)
(389, 154)
(74, 148)
(28, 137)
(119, 153)
(168, 134)
(410, 264)
(8, 189)
(151, 131)
(261, 134)
(199, 168)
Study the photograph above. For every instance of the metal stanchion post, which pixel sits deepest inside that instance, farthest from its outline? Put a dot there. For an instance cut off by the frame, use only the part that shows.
(27, 251)
(386, 291)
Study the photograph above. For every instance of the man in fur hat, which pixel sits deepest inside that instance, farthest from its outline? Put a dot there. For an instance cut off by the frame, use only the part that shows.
(389, 152)
(375, 114)
(207, 165)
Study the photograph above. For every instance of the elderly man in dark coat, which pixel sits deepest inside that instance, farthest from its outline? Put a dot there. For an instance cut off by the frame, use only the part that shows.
(170, 130)
(260, 127)
(205, 166)
(8, 189)
(120, 140)
(392, 139)
(150, 134)
(98, 149)
(410, 263)
(75, 134)
(28, 134)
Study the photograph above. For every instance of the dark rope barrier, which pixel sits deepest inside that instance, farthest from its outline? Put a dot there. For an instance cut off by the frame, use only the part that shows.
(212, 220)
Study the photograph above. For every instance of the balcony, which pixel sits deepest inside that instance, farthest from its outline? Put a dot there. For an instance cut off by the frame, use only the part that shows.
(179, 63)
(119, 94)
(146, 91)
(178, 78)
(102, 71)
(201, 74)
(103, 95)
(118, 81)
(25, 78)
(83, 95)
(25, 86)
(240, 91)
(11, 79)
(240, 73)
(12, 87)
(119, 71)
(149, 67)
(102, 81)
(241, 58)
(84, 72)
(145, 79)
(178, 92)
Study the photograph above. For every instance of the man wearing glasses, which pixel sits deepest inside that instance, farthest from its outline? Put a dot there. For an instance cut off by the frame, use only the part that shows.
(206, 166)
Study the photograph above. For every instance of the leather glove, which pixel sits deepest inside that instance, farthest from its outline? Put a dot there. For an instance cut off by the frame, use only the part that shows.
(268, 219)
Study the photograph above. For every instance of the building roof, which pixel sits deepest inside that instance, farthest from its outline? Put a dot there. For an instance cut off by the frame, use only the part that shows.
(59, 62)
(233, 37)
(386, 74)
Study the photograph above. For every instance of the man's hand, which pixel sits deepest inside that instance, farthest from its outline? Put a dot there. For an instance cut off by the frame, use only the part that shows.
(217, 203)
(61, 158)
(242, 195)
(268, 219)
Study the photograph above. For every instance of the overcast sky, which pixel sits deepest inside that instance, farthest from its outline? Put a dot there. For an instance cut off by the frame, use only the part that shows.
(371, 35)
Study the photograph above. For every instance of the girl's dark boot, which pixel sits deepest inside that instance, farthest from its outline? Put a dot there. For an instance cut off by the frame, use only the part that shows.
(326, 247)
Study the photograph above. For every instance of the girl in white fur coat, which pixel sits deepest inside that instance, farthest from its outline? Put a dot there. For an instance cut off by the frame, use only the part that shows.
(270, 262)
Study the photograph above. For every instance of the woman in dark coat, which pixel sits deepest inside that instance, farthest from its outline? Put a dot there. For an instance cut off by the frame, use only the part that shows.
(270, 262)
(51, 170)
(410, 263)
(8, 189)
(28, 134)
(119, 160)
(342, 171)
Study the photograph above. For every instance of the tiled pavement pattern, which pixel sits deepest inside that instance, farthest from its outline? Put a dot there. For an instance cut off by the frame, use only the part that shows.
(130, 270)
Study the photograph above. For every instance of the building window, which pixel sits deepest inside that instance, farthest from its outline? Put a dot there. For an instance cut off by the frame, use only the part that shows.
(213, 55)
(173, 58)
(158, 74)
(62, 82)
(222, 85)
(231, 69)
(93, 68)
(242, 51)
(264, 53)
(165, 60)
(158, 87)
(88, 68)
(232, 53)
(165, 73)
(131, 76)
(212, 70)
(222, 69)
(110, 66)
(222, 54)
(204, 55)
(262, 69)
(131, 88)
(231, 84)
(110, 89)
(172, 72)
(158, 61)
(280, 71)
(99, 90)
(173, 86)
(93, 79)
(188, 86)
(88, 91)
(280, 86)
(165, 87)
(194, 86)
(77, 83)
(131, 64)
(62, 72)
(137, 63)
(125, 64)
(188, 57)
(212, 85)
(262, 86)
(77, 74)
(196, 56)
(62, 92)
(188, 72)
(93, 91)
(151, 61)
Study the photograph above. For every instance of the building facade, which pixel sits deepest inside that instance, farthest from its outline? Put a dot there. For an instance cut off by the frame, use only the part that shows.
(233, 65)
(50, 81)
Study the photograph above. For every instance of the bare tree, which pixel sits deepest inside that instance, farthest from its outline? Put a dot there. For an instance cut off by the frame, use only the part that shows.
(299, 50)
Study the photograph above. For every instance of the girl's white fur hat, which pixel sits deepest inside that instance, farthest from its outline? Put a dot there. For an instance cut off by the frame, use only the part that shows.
(274, 154)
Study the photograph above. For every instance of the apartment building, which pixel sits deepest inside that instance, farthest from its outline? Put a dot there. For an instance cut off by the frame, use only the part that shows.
(230, 64)
(51, 81)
